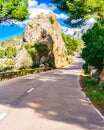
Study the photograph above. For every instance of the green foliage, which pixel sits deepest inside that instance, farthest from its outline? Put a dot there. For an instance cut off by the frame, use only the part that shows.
(6, 64)
(101, 85)
(93, 90)
(7, 68)
(85, 68)
(20, 13)
(33, 53)
(50, 61)
(71, 44)
(16, 9)
(2, 53)
(8, 52)
(93, 53)
(51, 20)
(81, 9)
(42, 49)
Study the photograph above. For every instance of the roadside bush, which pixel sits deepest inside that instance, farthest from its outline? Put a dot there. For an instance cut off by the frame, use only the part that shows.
(101, 85)
(7, 68)
(50, 61)
(85, 68)
(94, 90)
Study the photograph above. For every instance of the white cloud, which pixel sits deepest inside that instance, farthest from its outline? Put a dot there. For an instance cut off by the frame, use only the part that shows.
(62, 16)
(68, 30)
(22, 24)
(37, 9)
(32, 3)
(34, 12)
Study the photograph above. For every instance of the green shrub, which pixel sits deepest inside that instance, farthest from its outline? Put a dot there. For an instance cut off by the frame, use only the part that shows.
(85, 67)
(2, 53)
(10, 52)
(96, 95)
(101, 85)
(93, 89)
(7, 68)
(71, 44)
(42, 49)
(50, 61)
(51, 20)
(89, 81)
(33, 54)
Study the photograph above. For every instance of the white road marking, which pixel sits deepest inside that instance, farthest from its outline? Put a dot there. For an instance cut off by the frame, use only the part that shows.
(30, 90)
(99, 113)
(2, 115)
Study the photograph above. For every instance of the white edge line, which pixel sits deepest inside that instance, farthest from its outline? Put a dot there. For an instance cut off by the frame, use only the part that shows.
(2, 115)
(30, 90)
(99, 113)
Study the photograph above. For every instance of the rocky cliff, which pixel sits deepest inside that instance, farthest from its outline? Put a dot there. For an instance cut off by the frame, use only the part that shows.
(44, 29)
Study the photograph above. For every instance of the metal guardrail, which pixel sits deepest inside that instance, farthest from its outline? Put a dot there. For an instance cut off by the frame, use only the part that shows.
(17, 73)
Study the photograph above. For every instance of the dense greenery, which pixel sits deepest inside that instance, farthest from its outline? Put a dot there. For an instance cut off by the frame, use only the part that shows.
(81, 9)
(8, 52)
(93, 53)
(72, 44)
(16, 9)
(94, 90)
(42, 49)
(33, 54)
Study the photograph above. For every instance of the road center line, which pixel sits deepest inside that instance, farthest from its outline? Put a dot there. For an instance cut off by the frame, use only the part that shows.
(30, 90)
(2, 115)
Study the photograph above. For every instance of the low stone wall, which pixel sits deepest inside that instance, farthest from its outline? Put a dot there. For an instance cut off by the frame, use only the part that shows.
(18, 73)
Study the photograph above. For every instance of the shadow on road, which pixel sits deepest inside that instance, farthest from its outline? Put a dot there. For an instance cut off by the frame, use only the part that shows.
(56, 96)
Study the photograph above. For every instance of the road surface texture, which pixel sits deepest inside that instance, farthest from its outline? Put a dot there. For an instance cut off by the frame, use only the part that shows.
(51, 100)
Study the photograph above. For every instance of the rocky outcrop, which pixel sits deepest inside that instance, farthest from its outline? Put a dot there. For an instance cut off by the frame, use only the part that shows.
(45, 29)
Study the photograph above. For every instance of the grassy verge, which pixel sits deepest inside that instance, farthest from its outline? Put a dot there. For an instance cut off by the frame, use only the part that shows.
(94, 90)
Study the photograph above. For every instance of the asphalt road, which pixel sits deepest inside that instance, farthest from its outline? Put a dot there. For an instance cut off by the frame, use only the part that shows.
(47, 101)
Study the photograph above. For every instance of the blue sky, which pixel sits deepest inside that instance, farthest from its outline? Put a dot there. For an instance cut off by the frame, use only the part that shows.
(35, 7)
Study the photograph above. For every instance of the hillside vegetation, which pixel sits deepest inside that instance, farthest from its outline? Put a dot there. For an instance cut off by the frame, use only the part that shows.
(15, 9)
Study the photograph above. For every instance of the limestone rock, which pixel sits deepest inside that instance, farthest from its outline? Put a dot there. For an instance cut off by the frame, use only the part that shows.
(44, 28)
(42, 60)
(23, 60)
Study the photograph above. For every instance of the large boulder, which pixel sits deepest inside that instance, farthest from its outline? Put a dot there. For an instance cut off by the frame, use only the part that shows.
(44, 28)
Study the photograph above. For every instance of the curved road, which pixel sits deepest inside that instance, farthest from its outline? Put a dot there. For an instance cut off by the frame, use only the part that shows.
(48, 101)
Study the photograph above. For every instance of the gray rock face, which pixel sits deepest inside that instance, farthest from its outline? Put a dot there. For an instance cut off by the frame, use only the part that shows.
(45, 29)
